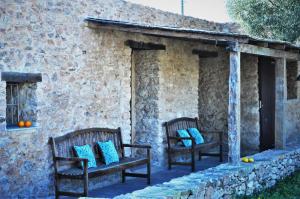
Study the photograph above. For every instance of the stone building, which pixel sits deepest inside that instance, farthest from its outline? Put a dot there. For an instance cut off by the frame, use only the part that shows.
(64, 71)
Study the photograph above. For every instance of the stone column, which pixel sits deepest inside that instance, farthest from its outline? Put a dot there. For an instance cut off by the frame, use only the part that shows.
(234, 108)
(280, 101)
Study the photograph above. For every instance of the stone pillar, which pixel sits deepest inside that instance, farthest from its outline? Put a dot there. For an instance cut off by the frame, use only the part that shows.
(234, 108)
(280, 102)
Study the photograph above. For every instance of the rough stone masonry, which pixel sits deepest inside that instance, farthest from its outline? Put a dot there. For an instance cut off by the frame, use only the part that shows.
(87, 82)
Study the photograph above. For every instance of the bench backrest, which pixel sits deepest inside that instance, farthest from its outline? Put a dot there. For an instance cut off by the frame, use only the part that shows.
(179, 123)
(63, 146)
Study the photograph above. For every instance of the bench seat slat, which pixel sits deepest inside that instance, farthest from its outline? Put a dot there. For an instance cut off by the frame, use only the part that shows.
(124, 163)
(203, 146)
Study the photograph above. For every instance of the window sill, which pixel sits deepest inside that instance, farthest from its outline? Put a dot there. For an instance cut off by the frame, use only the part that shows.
(17, 129)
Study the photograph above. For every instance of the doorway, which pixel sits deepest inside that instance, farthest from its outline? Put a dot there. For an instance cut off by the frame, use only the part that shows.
(266, 73)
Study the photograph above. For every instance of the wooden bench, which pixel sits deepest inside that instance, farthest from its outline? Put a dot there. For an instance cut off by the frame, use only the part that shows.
(174, 147)
(67, 166)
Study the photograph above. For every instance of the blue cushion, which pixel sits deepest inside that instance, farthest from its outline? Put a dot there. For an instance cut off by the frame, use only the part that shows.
(197, 135)
(183, 133)
(85, 151)
(109, 152)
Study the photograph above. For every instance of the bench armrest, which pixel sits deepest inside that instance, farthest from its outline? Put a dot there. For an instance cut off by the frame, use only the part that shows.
(72, 159)
(181, 138)
(137, 146)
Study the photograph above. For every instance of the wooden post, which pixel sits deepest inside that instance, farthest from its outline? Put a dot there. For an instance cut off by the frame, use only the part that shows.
(280, 101)
(234, 108)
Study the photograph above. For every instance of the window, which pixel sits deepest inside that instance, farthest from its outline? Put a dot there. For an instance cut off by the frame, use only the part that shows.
(20, 103)
(21, 99)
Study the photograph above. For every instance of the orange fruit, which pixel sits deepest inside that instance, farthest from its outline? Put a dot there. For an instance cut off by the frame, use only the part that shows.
(28, 124)
(21, 124)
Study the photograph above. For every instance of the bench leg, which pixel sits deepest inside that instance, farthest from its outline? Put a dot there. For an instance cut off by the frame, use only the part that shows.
(56, 184)
(148, 166)
(200, 156)
(148, 172)
(221, 153)
(193, 160)
(169, 161)
(123, 176)
(86, 185)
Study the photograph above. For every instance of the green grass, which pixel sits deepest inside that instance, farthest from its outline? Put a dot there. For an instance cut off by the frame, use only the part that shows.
(289, 188)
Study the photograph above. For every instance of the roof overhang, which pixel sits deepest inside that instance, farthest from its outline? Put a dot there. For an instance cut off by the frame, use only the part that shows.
(246, 43)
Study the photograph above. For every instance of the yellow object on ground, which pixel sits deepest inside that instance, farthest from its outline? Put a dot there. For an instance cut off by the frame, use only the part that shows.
(251, 159)
(245, 159)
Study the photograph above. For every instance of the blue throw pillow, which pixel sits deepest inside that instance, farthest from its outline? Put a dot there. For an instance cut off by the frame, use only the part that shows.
(109, 152)
(85, 151)
(197, 135)
(183, 133)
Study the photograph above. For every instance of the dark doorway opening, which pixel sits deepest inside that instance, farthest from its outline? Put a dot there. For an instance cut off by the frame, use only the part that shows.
(266, 73)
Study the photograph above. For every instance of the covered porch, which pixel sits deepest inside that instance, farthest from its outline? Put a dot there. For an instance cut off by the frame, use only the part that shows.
(237, 54)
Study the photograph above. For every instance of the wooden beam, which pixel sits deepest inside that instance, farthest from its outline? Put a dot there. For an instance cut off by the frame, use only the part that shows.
(277, 46)
(234, 108)
(259, 43)
(139, 45)
(256, 50)
(204, 53)
(21, 77)
(280, 101)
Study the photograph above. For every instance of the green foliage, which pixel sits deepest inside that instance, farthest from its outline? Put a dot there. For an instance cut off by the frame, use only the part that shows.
(288, 188)
(273, 19)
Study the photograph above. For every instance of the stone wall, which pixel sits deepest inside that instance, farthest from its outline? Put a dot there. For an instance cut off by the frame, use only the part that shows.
(292, 111)
(227, 181)
(250, 119)
(213, 94)
(292, 121)
(178, 93)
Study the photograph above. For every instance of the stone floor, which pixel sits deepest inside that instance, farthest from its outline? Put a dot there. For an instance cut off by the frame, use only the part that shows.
(159, 175)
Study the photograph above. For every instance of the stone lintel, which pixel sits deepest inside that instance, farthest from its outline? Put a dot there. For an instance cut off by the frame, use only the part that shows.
(280, 103)
(234, 108)
(16, 77)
